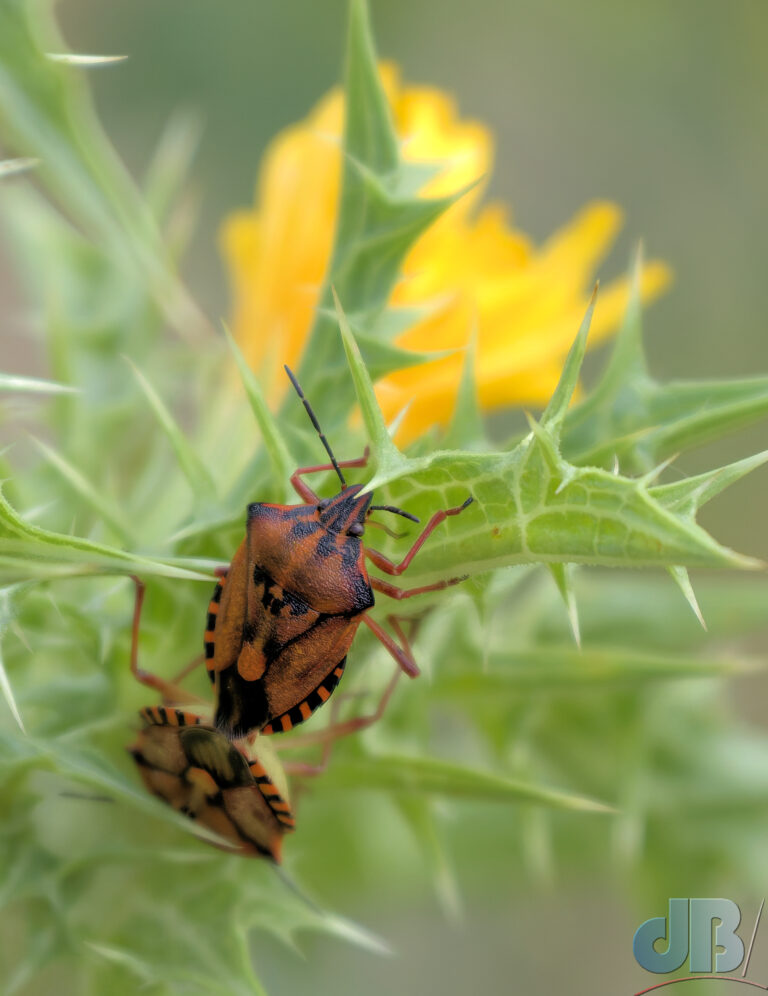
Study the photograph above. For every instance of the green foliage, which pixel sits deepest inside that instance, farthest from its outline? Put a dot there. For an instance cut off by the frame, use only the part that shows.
(545, 756)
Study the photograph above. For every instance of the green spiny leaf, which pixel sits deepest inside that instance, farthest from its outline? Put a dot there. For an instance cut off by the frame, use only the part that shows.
(688, 495)
(12, 167)
(102, 505)
(467, 430)
(564, 581)
(200, 481)
(530, 504)
(557, 667)
(27, 551)
(681, 578)
(631, 417)
(380, 217)
(553, 416)
(32, 385)
(46, 113)
(429, 776)
(280, 458)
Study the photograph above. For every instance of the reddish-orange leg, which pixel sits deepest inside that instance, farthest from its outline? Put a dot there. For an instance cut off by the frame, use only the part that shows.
(386, 565)
(333, 732)
(403, 656)
(304, 491)
(170, 690)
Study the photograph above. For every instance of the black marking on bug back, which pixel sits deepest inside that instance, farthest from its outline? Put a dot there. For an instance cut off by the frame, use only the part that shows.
(295, 603)
(314, 700)
(336, 521)
(296, 511)
(327, 545)
(350, 552)
(302, 529)
(210, 750)
(257, 509)
(237, 713)
(364, 598)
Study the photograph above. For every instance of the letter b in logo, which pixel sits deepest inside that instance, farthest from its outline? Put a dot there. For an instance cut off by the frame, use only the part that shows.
(690, 925)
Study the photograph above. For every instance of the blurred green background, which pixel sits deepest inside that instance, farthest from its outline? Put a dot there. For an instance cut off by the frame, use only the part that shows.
(659, 106)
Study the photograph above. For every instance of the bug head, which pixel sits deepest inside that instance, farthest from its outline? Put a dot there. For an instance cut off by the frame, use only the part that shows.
(346, 512)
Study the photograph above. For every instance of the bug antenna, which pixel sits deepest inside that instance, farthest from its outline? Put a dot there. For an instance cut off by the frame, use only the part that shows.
(396, 511)
(313, 419)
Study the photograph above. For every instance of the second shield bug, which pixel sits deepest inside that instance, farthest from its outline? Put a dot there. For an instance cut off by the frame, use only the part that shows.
(285, 612)
(201, 773)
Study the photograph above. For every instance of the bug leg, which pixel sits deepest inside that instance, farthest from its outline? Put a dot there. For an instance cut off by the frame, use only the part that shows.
(386, 565)
(168, 689)
(402, 655)
(335, 731)
(304, 491)
(188, 669)
(378, 584)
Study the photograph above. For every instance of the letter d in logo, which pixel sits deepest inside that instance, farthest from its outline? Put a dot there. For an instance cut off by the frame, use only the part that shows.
(661, 962)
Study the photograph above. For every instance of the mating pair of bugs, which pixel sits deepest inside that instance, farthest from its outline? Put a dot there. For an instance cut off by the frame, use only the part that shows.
(281, 620)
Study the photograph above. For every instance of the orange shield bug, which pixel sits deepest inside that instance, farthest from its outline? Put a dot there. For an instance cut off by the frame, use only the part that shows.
(200, 772)
(285, 612)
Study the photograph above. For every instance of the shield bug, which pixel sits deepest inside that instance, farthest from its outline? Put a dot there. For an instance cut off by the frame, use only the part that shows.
(285, 612)
(203, 774)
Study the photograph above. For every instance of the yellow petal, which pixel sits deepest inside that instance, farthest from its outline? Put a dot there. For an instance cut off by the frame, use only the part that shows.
(472, 268)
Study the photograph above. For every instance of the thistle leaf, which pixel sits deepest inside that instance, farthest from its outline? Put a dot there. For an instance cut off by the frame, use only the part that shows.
(467, 429)
(12, 167)
(101, 505)
(531, 505)
(280, 459)
(32, 385)
(553, 416)
(380, 217)
(29, 552)
(631, 417)
(46, 114)
(559, 667)
(200, 481)
(562, 577)
(680, 576)
(429, 776)
(5, 688)
(687, 496)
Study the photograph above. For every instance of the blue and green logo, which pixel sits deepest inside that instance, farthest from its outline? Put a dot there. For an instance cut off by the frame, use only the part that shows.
(701, 932)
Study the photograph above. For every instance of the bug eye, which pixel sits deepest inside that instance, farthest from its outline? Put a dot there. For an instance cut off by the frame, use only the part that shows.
(356, 529)
(323, 504)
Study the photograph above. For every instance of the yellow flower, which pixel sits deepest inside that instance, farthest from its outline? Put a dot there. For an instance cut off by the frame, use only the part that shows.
(524, 302)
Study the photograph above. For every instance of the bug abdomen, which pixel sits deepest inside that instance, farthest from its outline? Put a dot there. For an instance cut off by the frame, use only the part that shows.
(313, 701)
(284, 677)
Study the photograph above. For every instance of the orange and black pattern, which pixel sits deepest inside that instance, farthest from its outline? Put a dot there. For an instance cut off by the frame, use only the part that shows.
(272, 797)
(313, 701)
(213, 612)
(203, 774)
(163, 716)
(280, 627)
